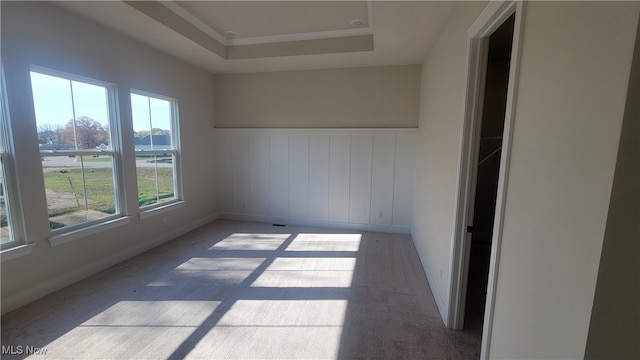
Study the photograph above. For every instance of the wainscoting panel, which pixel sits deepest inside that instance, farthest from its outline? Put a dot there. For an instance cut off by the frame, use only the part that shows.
(319, 176)
(349, 178)
(360, 182)
(299, 176)
(259, 149)
(382, 178)
(242, 194)
(339, 173)
(280, 175)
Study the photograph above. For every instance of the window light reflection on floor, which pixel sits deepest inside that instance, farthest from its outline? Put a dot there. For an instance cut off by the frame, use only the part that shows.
(224, 301)
(132, 329)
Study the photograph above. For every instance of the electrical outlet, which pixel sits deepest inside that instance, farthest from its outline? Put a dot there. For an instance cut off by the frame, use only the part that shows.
(379, 214)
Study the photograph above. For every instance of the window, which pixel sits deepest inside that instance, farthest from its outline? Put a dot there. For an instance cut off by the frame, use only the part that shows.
(155, 131)
(6, 235)
(7, 238)
(78, 147)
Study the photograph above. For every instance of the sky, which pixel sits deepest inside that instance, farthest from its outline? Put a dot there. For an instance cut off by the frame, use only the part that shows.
(160, 111)
(53, 104)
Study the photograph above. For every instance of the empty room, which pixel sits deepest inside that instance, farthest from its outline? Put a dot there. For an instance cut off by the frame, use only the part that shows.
(320, 179)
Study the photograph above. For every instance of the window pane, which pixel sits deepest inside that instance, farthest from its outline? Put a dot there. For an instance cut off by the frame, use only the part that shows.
(78, 189)
(70, 115)
(161, 123)
(53, 108)
(164, 170)
(74, 117)
(6, 234)
(5, 230)
(140, 115)
(155, 179)
(151, 122)
(153, 133)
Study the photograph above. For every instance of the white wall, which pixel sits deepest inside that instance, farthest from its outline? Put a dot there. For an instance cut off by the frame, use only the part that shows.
(371, 97)
(43, 34)
(575, 68)
(359, 179)
(441, 115)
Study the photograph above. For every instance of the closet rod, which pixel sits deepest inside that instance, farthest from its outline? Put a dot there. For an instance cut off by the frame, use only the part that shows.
(490, 155)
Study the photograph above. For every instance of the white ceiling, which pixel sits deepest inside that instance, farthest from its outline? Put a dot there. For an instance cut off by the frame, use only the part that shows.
(268, 18)
(402, 31)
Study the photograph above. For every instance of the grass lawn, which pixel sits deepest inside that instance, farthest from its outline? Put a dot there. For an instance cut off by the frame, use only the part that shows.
(147, 194)
(99, 184)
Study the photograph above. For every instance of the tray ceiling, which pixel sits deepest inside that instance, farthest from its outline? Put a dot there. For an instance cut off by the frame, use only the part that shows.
(251, 36)
(264, 18)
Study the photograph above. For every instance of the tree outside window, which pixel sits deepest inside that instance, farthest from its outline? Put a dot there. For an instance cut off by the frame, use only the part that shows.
(74, 120)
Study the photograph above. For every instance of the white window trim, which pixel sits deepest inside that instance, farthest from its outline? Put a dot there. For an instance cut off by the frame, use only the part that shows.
(76, 232)
(14, 218)
(11, 183)
(15, 252)
(4, 165)
(87, 228)
(157, 209)
(178, 195)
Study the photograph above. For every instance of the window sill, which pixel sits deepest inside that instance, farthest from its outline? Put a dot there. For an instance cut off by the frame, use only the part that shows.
(161, 209)
(15, 252)
(60, 239)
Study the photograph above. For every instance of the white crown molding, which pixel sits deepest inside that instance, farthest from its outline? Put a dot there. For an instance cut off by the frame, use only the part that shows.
(299, 36)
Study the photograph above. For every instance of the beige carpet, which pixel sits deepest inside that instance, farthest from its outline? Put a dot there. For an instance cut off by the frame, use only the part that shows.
(239, 290)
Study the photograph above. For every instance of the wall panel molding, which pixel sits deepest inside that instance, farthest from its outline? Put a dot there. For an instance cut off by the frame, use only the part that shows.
(345, 178)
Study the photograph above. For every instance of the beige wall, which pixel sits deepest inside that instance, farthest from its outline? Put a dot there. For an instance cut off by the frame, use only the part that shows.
(576, 61)
(42, 34)
(345, 98)
(614, 330)
(574, 73)
(441, 115)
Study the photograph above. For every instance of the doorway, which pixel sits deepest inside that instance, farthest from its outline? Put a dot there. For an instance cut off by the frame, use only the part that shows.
(492, 78)
(487, 171)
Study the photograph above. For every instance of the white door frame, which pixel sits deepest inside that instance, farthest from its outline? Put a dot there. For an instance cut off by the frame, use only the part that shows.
(490, 19)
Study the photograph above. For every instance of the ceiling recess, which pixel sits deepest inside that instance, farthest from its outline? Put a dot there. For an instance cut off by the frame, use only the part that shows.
(276, 35)
(303, 34)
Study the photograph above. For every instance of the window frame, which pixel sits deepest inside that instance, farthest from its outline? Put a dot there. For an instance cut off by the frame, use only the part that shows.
(178, 195)
(81, 229)
(15, 217)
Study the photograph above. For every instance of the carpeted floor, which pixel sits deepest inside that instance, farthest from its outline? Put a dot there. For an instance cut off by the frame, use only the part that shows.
(239, 290)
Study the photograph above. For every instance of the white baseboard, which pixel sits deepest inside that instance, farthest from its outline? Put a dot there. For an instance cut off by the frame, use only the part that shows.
(440, 303)
(317, 223)
(48, 287)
